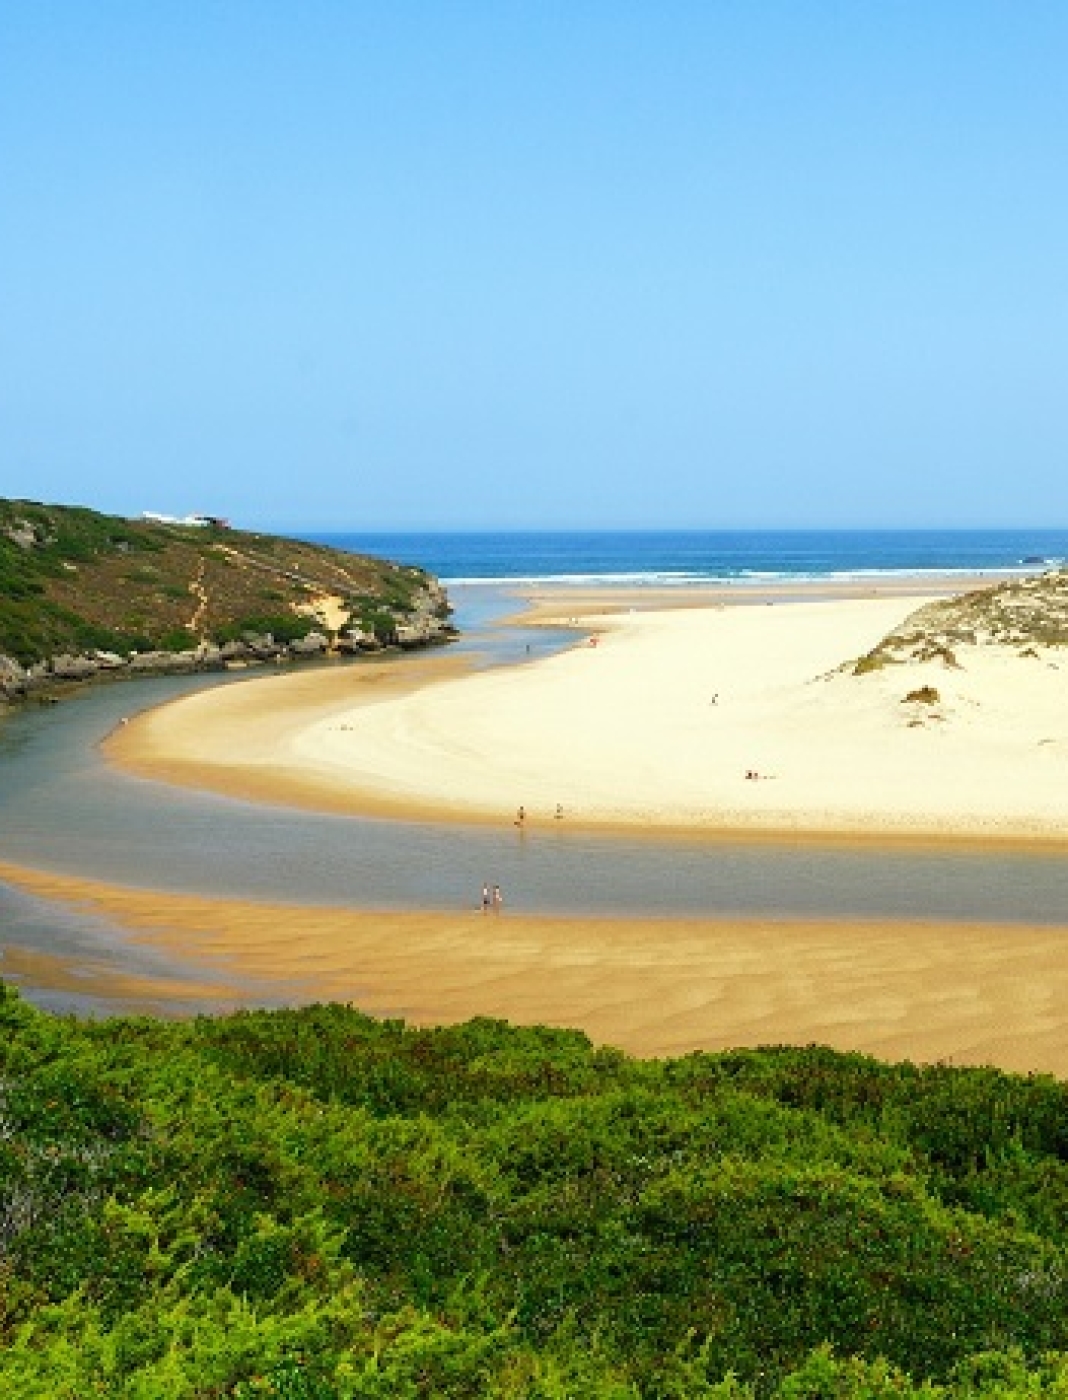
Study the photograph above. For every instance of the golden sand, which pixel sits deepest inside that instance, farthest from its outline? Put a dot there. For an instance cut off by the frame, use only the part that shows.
(970, 994)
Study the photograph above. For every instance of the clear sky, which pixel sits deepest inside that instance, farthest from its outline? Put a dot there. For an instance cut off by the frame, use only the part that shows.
(537, 264)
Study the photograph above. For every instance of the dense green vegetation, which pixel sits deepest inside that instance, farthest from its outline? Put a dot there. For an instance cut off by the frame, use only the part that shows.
(73, 580)
(314, 1204)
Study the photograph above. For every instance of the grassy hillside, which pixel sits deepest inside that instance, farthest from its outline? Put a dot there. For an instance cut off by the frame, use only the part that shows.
(313, 1204)
(72, 580)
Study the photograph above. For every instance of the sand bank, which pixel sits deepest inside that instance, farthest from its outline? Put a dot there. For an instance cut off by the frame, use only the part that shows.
(926, 992)
(653, 722)
(547, 603)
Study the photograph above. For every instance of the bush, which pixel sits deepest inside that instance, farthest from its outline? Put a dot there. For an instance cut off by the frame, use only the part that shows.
(873, 661)
(283, 627)
(315, 1204)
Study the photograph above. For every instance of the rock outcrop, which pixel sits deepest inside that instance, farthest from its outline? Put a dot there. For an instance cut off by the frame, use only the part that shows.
(87, 596)
(426, 625)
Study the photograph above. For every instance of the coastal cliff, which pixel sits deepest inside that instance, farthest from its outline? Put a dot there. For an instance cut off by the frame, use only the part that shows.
(86, 595)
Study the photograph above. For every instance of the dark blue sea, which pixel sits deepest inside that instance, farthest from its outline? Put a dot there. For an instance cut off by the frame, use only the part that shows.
(686, 557)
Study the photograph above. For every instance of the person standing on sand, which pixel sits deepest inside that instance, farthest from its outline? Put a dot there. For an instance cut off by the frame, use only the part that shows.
(485, 899)
(520, 816)
(498, 899)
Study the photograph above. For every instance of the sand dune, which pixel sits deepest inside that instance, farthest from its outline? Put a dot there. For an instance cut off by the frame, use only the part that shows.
(655, 721)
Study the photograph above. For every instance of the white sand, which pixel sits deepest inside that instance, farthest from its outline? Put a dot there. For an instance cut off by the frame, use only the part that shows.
(658, 723)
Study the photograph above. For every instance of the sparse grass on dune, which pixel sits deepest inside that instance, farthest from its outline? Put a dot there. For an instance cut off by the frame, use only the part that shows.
(1023, 614)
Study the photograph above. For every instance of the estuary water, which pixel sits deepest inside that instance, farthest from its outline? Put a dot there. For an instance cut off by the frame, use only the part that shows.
(63, 808)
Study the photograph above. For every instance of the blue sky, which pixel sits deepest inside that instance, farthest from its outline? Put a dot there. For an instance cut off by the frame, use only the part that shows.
(459, 265)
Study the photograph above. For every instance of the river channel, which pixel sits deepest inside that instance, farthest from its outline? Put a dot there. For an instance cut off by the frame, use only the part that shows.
(63, 809)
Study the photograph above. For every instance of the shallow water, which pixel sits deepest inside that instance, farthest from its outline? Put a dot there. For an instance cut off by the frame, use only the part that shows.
(62, 808)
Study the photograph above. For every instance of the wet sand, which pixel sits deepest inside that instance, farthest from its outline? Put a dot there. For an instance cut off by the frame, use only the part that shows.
(546, 604)
(978, 994)
(95, 981)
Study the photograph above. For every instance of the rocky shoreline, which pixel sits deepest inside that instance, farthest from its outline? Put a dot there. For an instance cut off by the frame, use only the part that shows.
(425, 626)
(89, 597)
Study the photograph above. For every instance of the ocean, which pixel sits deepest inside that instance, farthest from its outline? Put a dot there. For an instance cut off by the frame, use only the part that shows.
(685, 557)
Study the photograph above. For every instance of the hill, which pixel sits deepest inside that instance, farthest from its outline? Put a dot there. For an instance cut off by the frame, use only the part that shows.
(314, 1205)
(1022, 614)
(80, 591)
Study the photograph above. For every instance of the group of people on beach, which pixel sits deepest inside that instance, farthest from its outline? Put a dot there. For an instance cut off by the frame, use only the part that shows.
(521, 816)
(492, 899)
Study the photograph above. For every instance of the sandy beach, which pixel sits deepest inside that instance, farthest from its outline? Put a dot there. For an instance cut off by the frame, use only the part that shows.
(978, 994)
(657, 719)
(648, 723)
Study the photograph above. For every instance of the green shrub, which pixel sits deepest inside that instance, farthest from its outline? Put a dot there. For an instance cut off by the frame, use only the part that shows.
(314, 1203)
(177, 639)
(283, 627)
(873, 661)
